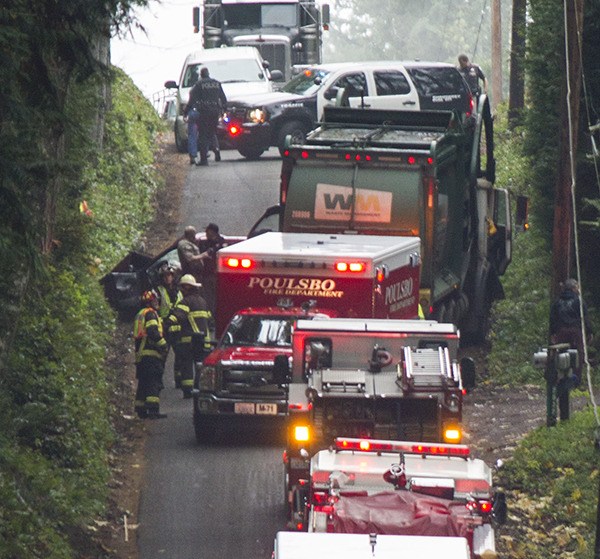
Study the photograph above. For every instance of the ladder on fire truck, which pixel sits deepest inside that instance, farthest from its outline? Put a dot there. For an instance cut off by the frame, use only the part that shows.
(425, 368)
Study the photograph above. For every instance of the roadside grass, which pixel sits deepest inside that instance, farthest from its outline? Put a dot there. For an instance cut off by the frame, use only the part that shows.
(552, 479)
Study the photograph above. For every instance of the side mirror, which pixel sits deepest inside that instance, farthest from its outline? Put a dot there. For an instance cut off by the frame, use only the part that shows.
(522, 215)
(277, 76)
(331, 93)
(467, 373)
(281, 370)
(171, 84)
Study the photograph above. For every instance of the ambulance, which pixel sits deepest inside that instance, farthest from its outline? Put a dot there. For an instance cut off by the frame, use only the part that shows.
(356, 276)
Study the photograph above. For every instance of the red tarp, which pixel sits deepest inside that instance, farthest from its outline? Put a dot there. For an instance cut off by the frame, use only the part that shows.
(400, 513)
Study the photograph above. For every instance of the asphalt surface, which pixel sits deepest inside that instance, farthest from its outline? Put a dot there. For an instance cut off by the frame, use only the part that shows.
(226, 499)
(233, 193)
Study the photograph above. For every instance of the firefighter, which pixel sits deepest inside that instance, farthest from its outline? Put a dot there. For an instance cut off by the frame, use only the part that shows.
(168, 291)
(169, 295)
(188, 332)
(150, 353)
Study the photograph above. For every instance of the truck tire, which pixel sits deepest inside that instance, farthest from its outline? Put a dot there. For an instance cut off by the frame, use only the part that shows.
(180, 143)
(204, 428)
(296, 129)
(251, 153)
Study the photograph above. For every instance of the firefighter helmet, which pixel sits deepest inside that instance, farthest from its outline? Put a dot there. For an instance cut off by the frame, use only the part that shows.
(165, 269)
(189, 279)
(149, 296)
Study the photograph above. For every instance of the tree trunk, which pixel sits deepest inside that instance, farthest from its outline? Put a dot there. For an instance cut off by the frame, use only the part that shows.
(496, 97)
(562, 245)
(516, 100)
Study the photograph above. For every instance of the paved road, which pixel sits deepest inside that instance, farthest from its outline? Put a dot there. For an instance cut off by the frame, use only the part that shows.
(233, 193)
(225, 500)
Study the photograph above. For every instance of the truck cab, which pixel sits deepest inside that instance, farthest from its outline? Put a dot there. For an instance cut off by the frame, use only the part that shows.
(235, 381)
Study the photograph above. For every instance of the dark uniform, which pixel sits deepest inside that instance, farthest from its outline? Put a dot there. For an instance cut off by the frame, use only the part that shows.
(188, 330)
(207, 97)
(185, 250)
(150, 352)
(565, 321)
(209, 272)
(472, 74)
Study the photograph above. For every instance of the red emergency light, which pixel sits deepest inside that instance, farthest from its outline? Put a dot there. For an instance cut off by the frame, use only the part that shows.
(482, 506)
(374, 445)
(237, 263)
(234, 130)
(349, 266)
(411, 160)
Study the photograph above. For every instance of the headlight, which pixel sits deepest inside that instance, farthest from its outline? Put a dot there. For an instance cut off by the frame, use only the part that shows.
(301, 433)
(257, 115)
(208, 378)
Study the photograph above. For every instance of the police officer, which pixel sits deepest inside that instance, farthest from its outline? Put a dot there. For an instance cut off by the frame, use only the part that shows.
(188, 332)
(208, 100)
(472, 74)
(565, 322)
(150, 353)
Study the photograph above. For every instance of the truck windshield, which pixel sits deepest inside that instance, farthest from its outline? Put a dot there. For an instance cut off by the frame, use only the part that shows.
(226, 71)
(306, 82)
(247, 15)
(259, 330)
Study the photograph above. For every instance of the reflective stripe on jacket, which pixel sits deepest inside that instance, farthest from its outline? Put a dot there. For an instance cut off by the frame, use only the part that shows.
(148, 334)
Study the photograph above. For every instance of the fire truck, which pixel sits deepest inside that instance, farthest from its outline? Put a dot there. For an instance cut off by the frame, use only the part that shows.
(367, 486)
(300, 545)
(236, 379)
(370, 378)
(287, 33)
(350, 275)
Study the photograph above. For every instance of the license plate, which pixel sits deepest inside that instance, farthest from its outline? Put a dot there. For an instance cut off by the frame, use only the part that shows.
(243, 407)
(266, 409)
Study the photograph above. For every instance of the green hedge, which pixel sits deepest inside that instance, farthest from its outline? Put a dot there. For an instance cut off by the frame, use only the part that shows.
(55, 429)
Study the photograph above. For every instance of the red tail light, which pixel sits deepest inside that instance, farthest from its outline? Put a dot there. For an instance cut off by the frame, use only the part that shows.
(239, 263)
(349, 266)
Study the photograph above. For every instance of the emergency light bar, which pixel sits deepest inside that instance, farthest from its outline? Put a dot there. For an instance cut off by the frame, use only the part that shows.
(244, 263)
(358, 156)
(374, 445)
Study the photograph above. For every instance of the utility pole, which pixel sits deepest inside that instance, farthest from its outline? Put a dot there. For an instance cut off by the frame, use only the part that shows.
(562, 238)
(516, 80)
(496, 97)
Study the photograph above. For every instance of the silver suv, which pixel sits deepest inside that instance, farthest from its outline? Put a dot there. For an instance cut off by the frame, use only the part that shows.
(239, 69)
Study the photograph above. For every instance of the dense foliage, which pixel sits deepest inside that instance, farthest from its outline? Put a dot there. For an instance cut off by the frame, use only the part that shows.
(552, 479)
(63, 140)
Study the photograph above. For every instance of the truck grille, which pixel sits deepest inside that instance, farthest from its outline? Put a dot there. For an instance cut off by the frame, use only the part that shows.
(406, 419)
(251, 382)
(274, 54)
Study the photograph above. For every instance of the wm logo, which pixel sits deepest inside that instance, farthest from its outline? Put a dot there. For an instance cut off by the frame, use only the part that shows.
(363, 203)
